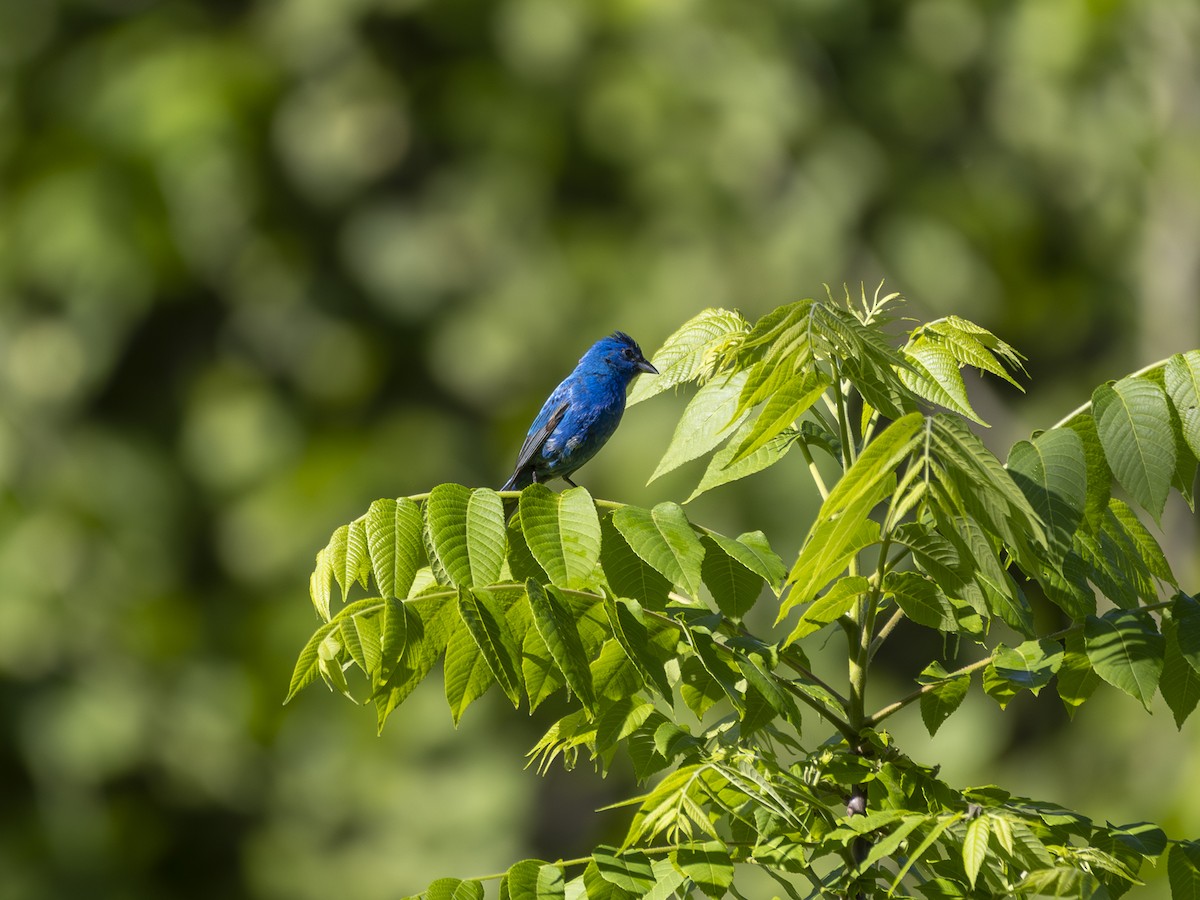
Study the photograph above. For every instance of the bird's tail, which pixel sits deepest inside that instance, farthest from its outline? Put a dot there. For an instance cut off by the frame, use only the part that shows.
(520, 478)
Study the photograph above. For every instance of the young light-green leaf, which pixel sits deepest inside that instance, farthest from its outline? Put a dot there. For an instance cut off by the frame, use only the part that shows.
(563, 533)
(707, 421)
(839, 523)
(793, 398)
(835, 602)
(722, 470)
(975, 846)
(394, 540)
(692, 352)
(446, 513)
(486, 536)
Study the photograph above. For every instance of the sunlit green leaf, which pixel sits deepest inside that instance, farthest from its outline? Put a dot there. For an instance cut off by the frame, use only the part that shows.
(563, 533)
(707, 864)
(664, 538)
(1133, 420)
(975, 846)
(733, 586)
(840, 521)
(692, 352)
(837, 601)
(394, 538)
(707, 421)
(793, 398)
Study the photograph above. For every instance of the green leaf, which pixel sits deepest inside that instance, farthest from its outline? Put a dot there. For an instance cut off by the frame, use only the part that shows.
(921, 599)
(466, 672)
(667, 880)
(664, 538)
(485, 620)
(1076, 677)
(835, 602)
(428, 623)
(630, 870)
(840, 521)
(692, 352)
(1185, 611)
(754, 552)
(629, 629)
(975, 846)
(563, 533)
(1126, 650)
(486, 536)
(454, 889)
(1099, 476)
(557, 628)
(733, 586)
(708, 420)
(935, 377)
(1133, 420)
(521, 881)
(1182, 378)
(394, 539)
(946, 695)
(1180, 683)
(1052, 473)
(542, 677)
(707, 864)
(722, 470)
(629, 575)
(307, 665)
(1029, 666)
(550, 883)
(320, 589)
(1143, 546)
(792, 399)
(1183, 870)
(446, 513)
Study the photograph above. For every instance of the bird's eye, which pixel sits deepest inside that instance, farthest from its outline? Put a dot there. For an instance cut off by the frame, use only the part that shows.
(627, 353)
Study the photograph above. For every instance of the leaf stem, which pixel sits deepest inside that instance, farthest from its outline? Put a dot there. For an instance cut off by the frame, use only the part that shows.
(1084, 407)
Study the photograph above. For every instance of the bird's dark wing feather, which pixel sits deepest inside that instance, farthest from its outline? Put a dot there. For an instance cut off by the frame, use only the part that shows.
(535, 439)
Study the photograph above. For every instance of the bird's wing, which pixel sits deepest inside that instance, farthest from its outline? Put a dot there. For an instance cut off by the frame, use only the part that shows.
(537, 436)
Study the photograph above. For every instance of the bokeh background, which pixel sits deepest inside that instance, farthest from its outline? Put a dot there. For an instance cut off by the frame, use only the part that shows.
(264, 261)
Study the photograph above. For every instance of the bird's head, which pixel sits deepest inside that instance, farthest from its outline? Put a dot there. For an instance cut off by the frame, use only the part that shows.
(621, 353)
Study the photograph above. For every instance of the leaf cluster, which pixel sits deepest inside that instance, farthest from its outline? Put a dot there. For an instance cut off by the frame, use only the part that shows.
(639, 616)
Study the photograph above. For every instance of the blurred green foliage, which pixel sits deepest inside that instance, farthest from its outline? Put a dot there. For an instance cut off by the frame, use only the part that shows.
(262, 262)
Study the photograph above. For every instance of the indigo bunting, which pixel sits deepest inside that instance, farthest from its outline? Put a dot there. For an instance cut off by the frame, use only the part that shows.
(581, 413)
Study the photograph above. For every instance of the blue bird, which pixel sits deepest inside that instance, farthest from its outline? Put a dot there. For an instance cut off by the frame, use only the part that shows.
(581, 413)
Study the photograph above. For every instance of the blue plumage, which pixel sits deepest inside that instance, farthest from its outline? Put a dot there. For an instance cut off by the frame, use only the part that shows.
(581, 413)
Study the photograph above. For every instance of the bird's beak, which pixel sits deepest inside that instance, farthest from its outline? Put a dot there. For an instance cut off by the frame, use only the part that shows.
(645, 366)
